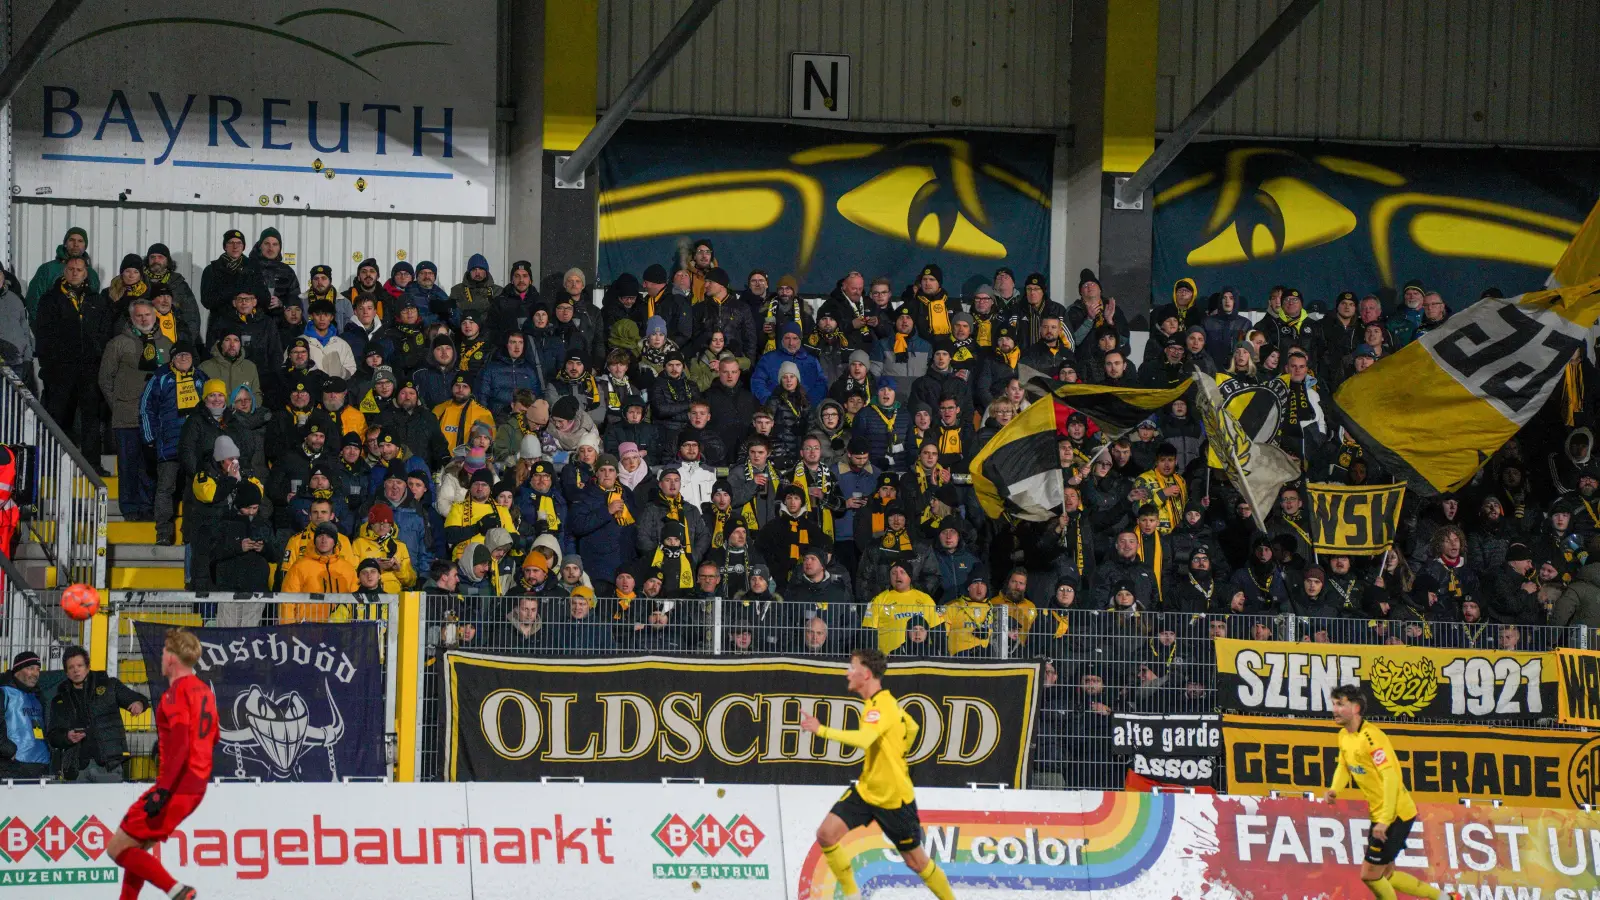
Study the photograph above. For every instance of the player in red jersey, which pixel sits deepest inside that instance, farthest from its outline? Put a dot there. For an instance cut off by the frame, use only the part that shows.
(186, 724)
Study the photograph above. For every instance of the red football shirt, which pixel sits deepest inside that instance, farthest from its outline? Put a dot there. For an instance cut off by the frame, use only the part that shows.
(186, 723)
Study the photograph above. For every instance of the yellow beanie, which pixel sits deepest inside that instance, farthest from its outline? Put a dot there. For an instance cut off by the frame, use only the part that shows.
(214, 386)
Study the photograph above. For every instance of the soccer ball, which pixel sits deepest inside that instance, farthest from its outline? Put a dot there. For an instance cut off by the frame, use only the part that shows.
(80, 601)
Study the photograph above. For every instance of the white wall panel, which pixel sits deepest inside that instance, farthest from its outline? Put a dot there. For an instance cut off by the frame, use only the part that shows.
(195, 237)
(953, 62)
(1439, 71)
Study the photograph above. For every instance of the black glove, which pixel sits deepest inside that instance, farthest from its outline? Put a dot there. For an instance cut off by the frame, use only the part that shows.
(155, 801)
(488, 523)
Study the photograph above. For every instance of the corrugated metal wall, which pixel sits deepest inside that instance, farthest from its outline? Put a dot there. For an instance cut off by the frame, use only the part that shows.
(952, 62)
(1446, 71)
(195, 237)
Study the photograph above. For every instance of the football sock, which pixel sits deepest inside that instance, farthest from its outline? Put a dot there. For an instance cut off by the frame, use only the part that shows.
(131, 886)
(142, 864)
(839, 864)
(1408, 884)
(935, 879)
(1381, 889)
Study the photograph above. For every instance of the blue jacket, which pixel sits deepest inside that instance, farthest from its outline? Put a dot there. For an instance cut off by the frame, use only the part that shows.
(159, 416)
(501, 378)
(851, 483)
(405, 467)
(955, 569)
(413, 529)
(604, 545)
(24, 719)
(764, 377)
(881, 439)
(434, 303)
(532, 527)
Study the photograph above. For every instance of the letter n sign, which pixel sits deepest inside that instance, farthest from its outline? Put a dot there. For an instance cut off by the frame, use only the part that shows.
(819, 86)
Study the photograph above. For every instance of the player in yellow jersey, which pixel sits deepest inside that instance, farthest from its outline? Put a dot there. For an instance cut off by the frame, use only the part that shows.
(1367, 757)
(883, 793)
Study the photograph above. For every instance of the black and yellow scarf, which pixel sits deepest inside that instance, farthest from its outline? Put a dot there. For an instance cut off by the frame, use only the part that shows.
(949, 440)
(188, 396)
(821, 478)
(899, 541)
(330, 295)
(937, 308)
(624, 517)
(586, 383)
(674, 561)
(674, 508)
(1075, 540)
(720, 519)
(544, 503)
(799, 535)
(1010, 359)
(1157, 564)
(154, 349)
(615, 397)
(167, 324)
(773, 314)
(983, 329)
(750, 473)
(902, 350)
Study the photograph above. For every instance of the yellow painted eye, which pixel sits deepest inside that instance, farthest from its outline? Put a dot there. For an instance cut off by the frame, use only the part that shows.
(741, 209)
(884, 205)
(1449, 234)
(1308, 216)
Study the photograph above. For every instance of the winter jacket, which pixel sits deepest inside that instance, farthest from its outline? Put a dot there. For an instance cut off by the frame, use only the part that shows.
(232, 567)
(732, 318)
(330, 353)
(49, 272)
(873, 575)
(503, 376)
(1579, 604)
(731, 412)
(22, 743)
(368, 546)
(129, 361)
(96, 707)
(433, 383)
(168, 398)
(886, 362)
(316, 573)
(15, 327)
(1223, 331)
(434, 303)
(234, 372)
(885, 430)
(199, 436)
(604, 545)
(764, 377)
(258, 335)
(473, 296)
(955, 568)
(71, 337)
(221, 282)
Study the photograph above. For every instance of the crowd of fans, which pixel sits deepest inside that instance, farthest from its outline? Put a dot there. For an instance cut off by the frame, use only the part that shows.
(803, 458)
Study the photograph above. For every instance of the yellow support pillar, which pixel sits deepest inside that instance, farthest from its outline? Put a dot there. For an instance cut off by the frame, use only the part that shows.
(1129, 113)
(100, 641)
(409, 659)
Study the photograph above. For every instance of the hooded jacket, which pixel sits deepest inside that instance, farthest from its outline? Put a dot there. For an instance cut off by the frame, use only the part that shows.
(277, 277)
(474, 296)
(49, 272)
(501, 378)
(764, 376)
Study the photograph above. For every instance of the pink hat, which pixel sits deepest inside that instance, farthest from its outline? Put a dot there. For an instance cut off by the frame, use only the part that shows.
(627, 447)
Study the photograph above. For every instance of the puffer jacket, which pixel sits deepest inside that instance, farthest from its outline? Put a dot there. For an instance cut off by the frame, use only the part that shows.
(502, 377)
(22, 718)
(221, 282)
(277, 277)
(169, 396)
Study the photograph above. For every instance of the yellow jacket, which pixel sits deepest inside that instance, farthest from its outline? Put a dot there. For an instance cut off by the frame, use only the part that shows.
(348, 419)
(316, 574)
(367, 546)
(471, 512)
(301, 544)
(456, 420)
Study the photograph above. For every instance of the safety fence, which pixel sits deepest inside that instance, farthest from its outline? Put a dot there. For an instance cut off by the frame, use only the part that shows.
(62, 501)
(1099, 666)
(32, 620)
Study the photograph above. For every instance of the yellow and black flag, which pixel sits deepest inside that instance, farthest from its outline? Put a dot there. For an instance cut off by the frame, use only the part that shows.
(1581, 261)
(1018, 473)
(1434, 412)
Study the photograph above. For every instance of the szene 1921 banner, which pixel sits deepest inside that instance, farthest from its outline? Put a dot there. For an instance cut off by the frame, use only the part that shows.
(727, 721)
(1354, 520)
(1400, 682)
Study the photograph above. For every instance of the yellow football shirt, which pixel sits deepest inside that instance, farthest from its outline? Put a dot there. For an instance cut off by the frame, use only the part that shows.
(887, 733)
(1367, 757)
(891, 610)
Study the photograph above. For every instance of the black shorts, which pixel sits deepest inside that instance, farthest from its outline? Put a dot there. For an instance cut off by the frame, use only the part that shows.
(1382, 853)
(901, 826)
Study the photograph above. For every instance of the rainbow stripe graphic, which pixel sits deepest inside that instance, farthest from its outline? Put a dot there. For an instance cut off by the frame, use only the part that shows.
(1096, 850)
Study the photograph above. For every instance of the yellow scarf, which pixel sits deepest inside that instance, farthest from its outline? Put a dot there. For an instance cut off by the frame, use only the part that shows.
(543, 503)
(674, 507)
(720, 520)
(685, 575)
(623, 517)
(949, 439)
(750, 473)
(1063, 624)
(799, 535)
(824, 481)
(169, 325)
(1011, 358)
(984, 334)
(899, 342)
(896, 540)
(183, 384)
(938, 313)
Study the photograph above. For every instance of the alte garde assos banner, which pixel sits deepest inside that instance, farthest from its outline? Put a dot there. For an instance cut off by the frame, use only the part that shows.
(727, 721)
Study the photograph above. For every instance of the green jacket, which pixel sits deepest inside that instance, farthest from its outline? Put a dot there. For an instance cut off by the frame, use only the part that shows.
(46, 275)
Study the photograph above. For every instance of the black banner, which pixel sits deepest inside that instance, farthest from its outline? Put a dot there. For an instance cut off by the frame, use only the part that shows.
(1172, 749)
(295, 703)
(1463, 686)
(724, 720)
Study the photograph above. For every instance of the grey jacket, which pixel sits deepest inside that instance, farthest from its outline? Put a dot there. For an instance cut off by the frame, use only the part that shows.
(1579, 604)
(14, 327)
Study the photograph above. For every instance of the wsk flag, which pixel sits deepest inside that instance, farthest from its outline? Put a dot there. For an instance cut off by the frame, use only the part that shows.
(1436, 410)
(1354, 520)
(1019, 471)
(294, 703)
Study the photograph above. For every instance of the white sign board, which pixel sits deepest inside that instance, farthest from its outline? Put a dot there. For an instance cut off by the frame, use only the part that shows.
(819, 86)
(373, 106)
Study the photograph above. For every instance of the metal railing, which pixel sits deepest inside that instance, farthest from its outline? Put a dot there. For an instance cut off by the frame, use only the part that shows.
(126, 660)
(1097, 662)
(33, 620)
(64, 501)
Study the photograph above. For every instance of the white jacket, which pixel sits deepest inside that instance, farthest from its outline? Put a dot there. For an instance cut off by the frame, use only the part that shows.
(335, 358)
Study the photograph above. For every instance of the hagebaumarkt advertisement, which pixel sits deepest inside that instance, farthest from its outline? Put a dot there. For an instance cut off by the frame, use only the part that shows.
(1439, 763)
(724, 720)
(1401, 682)
(626, 842)
(375, 105)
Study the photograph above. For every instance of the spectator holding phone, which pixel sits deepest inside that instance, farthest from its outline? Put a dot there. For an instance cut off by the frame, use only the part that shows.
(86, 722)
